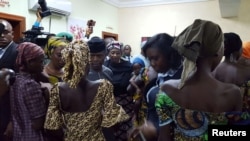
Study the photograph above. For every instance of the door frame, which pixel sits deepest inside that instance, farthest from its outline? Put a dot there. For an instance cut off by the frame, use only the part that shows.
(18, 23)
(109, 34)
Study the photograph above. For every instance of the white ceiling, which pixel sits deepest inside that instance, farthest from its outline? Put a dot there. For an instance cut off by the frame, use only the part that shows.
(228, 8)
(138, 3)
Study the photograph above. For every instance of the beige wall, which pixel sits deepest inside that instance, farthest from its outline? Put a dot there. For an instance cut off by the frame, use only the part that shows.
(133, 23)
(147, 21)
(105, 15)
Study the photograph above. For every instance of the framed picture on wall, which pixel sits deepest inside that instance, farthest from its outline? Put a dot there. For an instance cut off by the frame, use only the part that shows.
(143, 40)
(77, 27)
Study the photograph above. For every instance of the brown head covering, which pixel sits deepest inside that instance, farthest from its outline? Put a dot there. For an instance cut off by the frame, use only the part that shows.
(200, 39)
(27, 51)
(77, 57)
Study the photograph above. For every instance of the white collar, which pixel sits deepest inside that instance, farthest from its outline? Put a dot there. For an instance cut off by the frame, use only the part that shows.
(4, 49)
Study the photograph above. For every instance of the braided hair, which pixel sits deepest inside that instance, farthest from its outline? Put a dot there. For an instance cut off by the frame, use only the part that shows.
(76, 57)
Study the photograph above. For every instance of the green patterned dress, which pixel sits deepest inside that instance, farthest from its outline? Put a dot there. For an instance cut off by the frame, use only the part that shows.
(245, 114)
(190, 125)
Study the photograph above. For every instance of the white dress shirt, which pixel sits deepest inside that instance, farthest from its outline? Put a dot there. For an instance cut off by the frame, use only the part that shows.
(2, 50)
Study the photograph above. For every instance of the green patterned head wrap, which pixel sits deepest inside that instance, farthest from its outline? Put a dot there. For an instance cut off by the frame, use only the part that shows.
(200, 39)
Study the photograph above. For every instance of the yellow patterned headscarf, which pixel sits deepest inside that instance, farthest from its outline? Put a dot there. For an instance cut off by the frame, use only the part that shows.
(52, 43)
(76, 56)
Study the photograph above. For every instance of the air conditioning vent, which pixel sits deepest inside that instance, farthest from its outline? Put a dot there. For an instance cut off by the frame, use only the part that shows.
(57, 7)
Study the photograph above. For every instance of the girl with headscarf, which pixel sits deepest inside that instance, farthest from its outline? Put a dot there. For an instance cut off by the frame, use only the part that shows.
(54, 69)
(135, 88)
(122, 71)
(187, 106)
(28, 106)
(78, 106)
(141, 77)
(138, 67)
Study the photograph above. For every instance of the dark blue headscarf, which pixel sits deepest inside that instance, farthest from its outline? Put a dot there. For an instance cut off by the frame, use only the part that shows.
(138, 61)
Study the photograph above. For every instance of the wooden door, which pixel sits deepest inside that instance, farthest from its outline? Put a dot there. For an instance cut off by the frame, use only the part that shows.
(109, 35)
(18, 23)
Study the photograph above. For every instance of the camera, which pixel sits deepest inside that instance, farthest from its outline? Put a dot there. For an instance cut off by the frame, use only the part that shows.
(45, 10)
(33, 36)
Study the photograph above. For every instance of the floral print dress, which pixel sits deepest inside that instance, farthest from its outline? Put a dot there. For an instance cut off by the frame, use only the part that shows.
(245, 114)
(190, 125)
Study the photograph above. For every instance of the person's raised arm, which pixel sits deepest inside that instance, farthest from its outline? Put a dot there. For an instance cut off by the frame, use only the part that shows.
(38, 19)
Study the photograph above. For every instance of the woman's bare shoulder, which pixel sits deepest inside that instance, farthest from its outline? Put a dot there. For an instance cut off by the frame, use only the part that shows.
(233, 94)
(170, 85)
(231, 88)
(61, 85)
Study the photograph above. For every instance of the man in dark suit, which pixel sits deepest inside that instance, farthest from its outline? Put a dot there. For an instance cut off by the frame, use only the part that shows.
(8, 54)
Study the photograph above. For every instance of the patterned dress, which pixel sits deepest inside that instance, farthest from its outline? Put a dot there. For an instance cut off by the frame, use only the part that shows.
(151, 94)
(27, 103)
(245, 114)
(85, 126)
(190, 125)
(141, 115)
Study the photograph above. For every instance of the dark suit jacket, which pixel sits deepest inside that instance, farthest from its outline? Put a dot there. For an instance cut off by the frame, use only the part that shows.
(8, 60)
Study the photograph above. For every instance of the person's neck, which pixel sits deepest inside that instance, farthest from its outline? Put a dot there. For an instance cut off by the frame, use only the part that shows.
(51, 66)
(51, 69)
(230, 61)
(83, 82)
(97, 69)
(202, 73)
(4, 47)
(25, 72)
